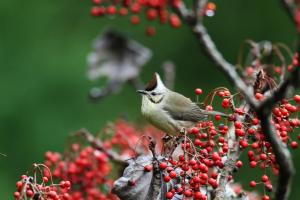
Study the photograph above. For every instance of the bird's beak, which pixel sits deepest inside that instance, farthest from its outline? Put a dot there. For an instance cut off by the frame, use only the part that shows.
(143, 92)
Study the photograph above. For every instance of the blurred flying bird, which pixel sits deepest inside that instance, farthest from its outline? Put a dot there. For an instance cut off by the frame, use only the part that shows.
(117, 58)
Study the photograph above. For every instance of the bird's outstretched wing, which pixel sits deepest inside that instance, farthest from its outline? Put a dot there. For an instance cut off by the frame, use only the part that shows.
(182, 108)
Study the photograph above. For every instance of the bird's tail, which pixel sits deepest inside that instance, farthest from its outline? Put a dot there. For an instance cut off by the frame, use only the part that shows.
(214, 113)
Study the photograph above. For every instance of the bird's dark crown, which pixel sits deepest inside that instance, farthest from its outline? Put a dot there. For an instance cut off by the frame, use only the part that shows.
(152, 84)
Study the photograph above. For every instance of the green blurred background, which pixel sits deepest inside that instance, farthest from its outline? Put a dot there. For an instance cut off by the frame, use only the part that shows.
(43, 84)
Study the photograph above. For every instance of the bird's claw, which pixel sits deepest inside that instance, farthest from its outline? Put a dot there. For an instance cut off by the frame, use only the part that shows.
(182, 130)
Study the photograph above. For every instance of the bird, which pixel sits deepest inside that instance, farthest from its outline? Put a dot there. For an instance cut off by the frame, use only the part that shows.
(170, 111)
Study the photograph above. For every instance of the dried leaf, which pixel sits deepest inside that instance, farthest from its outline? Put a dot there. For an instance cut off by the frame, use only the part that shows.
(148, 185)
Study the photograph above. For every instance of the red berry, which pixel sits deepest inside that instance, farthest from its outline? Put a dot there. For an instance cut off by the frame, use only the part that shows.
(215, 156)
(209, 108)
(297, 98)
(213, 182)
(255, 145)
(23, 177)
(45, 179)
(250, 154)
(217, 117)
(169, 195)
(94, 11)
(134, 19)
(263, 156)
(197, 142)
(264, 178)
(62, 184)
(66, 196)
(123, 11)
(135, 8)
(167, 178)
(197, 195)
(238, 125)
(150, 31)
(265, 197)
(259, 96)
(187, 193)
(19, 184)
(225, 103)
(111, 10)
(17, 195)
(29, 193)
(172, 174)
(198, 91)
(67, 184)
(211, 6)
(96, 1)
(148, 168)
(294, 144)
(295, 62)
(253, 164)
(255, 121)
(194, 130)
(252, 184)
(239, 164)
(239, 132)
(192, 162)
(151, 14)
(163, 165)
(251, 131)
(277, 70)
(175, 21)
(243, 143)
(269, 187)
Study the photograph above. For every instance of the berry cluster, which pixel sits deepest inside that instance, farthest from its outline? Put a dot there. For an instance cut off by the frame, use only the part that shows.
(86, 166)
(87, 169)
(153, 9)
(128, 139)
(203, 149)
(29, 188)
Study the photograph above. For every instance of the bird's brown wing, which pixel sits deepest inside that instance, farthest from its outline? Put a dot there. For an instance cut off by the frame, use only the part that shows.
(182, 108)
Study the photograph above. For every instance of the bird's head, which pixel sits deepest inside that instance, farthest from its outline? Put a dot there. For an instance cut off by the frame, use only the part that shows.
(155, 89)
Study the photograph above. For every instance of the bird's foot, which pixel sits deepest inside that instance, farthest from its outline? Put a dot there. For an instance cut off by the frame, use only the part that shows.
(183, 130)
(167, 138)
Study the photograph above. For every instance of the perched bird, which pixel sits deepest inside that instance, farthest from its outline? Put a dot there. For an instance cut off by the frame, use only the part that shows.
(168, 110)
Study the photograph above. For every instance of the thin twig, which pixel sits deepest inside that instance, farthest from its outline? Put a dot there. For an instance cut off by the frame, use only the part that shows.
(98, 144)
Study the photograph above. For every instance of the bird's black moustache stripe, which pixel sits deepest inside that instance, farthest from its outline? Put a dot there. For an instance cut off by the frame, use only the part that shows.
(156, 102)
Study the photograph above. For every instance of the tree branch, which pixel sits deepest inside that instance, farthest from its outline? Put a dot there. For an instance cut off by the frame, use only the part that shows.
(283, 158)
(98, 144)
(289, 5)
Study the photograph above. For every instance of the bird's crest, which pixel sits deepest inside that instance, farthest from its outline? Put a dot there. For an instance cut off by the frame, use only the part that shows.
(152, 83)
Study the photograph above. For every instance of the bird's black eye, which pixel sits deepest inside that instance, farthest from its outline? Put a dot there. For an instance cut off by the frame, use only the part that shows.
(153, 93)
